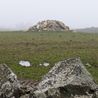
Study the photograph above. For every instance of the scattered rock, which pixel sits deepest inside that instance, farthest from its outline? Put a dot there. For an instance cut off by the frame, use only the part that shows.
(25, 63)
(67, 79)
(88, 65)
(45, 64)
(40, 64)
(49, 25)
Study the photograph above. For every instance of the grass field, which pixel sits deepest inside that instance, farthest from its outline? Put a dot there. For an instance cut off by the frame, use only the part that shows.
(38, 47)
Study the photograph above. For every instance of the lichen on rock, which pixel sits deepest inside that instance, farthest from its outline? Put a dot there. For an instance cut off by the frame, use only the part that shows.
(67, 79)
(9, 85)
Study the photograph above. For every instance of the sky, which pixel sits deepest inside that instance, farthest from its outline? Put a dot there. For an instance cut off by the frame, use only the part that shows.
(21, 14)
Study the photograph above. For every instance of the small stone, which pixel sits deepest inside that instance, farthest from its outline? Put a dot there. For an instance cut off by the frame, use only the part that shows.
(25, 63)
(88, 65)
(40, 64)
(45, 64)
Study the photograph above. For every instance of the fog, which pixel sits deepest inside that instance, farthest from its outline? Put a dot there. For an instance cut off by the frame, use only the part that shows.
(21, 14)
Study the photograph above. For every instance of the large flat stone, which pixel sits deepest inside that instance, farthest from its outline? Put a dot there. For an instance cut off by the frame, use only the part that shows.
(67, 79)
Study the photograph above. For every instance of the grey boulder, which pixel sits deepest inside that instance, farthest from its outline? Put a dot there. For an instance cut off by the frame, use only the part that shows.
(67, 79)
(9, 85)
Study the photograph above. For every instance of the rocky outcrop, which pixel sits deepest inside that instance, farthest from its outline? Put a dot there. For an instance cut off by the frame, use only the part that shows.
(9, 85)
(49, 25)
(67, 79)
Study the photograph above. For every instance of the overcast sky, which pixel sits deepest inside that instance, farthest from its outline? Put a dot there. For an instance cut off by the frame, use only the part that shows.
(24, 13)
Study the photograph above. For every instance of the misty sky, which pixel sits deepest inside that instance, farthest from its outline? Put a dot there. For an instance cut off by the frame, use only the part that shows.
(24, 13)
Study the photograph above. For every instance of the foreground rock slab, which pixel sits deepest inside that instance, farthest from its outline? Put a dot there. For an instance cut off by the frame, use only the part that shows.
(9, 85)
(67, 79)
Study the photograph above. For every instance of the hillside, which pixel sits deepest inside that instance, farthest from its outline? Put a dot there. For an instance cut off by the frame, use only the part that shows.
(88, 30)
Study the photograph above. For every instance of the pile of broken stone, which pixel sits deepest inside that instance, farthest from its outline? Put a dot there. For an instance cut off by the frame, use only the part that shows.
(67, 79)
(49, 25)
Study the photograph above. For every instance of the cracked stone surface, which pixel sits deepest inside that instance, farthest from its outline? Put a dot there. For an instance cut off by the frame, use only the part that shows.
(9, 85)
(67, 79)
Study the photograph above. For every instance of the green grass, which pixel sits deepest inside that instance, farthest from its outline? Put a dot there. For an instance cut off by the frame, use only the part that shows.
(38, 47)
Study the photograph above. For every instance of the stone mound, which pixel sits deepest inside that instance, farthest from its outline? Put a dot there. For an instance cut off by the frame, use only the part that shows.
(49, 25)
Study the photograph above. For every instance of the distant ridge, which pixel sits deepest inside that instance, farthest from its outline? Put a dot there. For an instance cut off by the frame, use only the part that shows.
(5, 29)
(12, 29)
(87, 30)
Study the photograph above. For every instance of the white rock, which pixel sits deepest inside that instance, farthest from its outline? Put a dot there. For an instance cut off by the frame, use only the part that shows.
(40, 64)
(25, 63)
(89, 65)
(45, 64)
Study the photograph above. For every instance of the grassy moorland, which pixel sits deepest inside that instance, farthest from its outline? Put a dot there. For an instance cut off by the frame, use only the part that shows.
(38, 47)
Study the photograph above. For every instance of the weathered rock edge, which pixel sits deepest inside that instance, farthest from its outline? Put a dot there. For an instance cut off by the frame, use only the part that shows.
(67, 79)
(9, 85)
